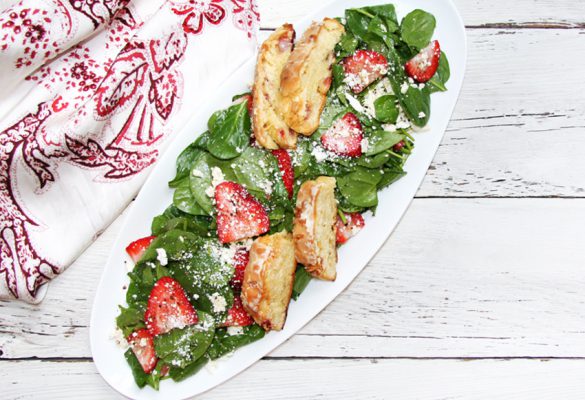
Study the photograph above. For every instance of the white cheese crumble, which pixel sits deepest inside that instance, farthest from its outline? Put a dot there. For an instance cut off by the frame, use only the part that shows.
(161, 256)
(235, 330)
(382, 88)
(118, 337)
(216, 176)
(355, 103)
(218, 302)
(319, 153)
(196, 173)
(404, 88)
(365, 144)
(421, 114)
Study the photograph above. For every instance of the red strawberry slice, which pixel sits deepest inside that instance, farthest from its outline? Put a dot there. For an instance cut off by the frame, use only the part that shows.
(239, 214)
(237, 316)
(423, 66)
(142, 345)
(285, 165)
(241, 259)
(363, 68)
(344, 137)
(355, 222)
(168, 307)
(137, 248)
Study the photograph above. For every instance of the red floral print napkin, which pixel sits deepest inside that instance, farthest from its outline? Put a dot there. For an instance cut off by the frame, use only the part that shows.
(91, 91)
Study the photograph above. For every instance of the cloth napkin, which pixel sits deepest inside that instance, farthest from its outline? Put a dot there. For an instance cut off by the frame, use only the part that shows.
(91, 92)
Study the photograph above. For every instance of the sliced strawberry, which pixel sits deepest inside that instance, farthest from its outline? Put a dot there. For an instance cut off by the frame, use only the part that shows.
(241, 259)
(142, 345)
(239, 214)
(137, 248)
(168, 307)
(344, 137)
(355, 222)
(285, 165)
(363, 68)
(399, 146)
(237, 316)
(423, 66)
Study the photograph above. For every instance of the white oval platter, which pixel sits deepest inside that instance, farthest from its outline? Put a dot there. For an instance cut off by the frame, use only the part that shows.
(353, 257)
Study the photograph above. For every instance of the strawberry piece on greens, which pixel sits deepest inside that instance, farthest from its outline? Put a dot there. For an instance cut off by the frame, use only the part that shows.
(285, 166)
(423, 66)
(344, 137)
(237, 316)
(344, 231)
(240, 262)
(239, 214)
(142, 344)
(362, 68)
(168, 307)
(137, 248)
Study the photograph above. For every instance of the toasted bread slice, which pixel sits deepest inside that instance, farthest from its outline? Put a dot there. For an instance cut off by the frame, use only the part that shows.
(268, 280)
(314, 228)
(270, 129)
(306, 77)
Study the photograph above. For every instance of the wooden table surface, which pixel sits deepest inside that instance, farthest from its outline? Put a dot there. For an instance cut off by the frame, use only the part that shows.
(478, 294)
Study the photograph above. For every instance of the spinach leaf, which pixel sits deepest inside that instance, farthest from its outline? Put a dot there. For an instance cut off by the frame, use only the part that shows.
(184, 200)
(181, 347)
(140, 377)
(390, 176)
(385, 109)
(387, 13)
(380, 141)
(417, 28)
(442, 75)
(230, 132)
(174, 219)
(347, 45)
(178, 246)
(184, 161)
(200, 179)
(376, 161)
(179, 374)
(302, 279)
(224, 343)
(416, 104)
(130, 319)
(359, 187)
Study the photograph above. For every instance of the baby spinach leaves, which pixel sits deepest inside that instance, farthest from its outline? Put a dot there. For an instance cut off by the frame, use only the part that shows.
(417, 28)
(226, 342)
(230, 131)
(181, 347)
(386, 109)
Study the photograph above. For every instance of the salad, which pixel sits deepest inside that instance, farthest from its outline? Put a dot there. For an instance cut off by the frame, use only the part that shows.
(184, 304)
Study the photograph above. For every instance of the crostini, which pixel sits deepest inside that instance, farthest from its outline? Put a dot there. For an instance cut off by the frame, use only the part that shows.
(314, 228)
(306, 77)
(270, 130)
(268, 280)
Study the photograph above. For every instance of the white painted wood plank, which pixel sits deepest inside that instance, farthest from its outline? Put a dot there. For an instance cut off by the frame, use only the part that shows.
(518, 128)
(329, 379)
(458, 278)
(474, 12)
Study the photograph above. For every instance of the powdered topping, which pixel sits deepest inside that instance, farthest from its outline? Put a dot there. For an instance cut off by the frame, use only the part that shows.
(235, 330)
(218, 302)
(161, 256)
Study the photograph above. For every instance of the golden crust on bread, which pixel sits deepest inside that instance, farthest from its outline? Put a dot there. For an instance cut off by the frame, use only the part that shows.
(306, 77)
(270, 129)
(314, 228)
(268, 280)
